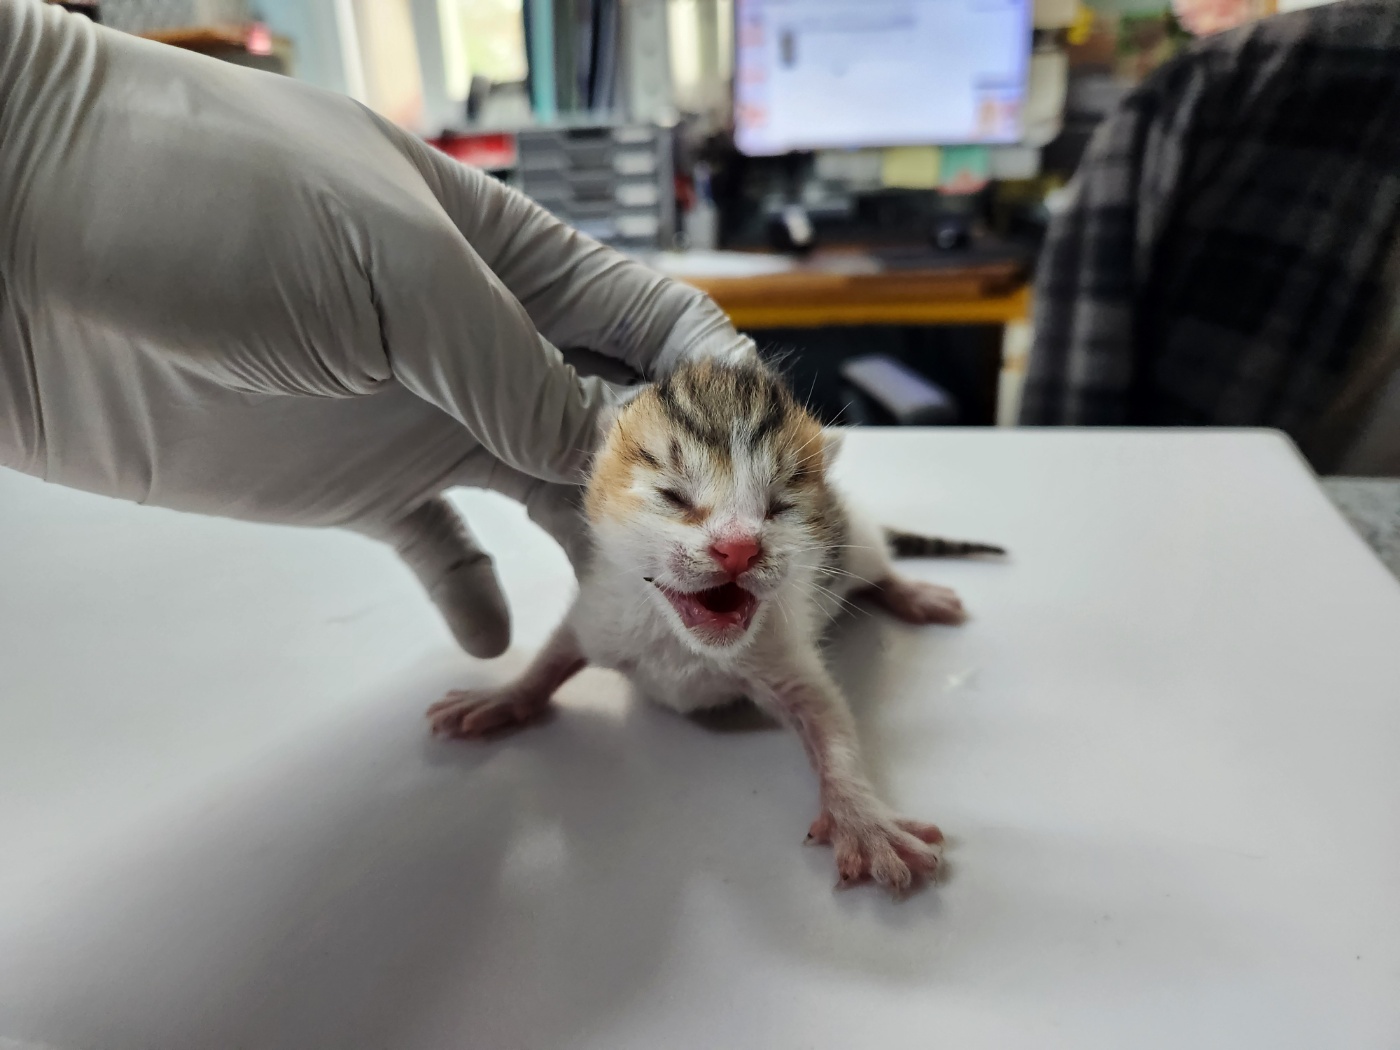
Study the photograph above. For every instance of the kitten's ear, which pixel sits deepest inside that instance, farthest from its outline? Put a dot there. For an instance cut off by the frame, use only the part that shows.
(832, 440)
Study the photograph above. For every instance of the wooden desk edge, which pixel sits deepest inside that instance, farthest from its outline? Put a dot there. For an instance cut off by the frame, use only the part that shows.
(204, 39)
(998, 309)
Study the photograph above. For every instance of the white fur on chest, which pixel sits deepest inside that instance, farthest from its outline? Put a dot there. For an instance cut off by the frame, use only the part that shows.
(620, 623)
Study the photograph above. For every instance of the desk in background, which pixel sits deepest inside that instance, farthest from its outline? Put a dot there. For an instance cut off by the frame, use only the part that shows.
(844, 287)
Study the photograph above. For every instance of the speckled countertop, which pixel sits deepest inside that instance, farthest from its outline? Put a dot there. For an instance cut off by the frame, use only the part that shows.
(1372, 505)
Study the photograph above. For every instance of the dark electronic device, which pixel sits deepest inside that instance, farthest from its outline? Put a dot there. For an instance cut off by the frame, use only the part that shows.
(792, 230)
(951, 232)
(895, 391)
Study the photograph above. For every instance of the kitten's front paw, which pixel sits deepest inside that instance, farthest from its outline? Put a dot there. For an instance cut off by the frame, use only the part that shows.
(879, 848)
(914, 601)
(478, 712)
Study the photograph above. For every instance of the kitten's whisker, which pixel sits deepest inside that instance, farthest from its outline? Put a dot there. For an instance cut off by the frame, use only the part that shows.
(841, 602)
(850, 576)
(807, 444)
(783, 610)
(836, 547)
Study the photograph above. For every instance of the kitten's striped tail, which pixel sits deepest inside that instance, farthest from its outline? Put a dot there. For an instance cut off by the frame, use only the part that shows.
(912, 545)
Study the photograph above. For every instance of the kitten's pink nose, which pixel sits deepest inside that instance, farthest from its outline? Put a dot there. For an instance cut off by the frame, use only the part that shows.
(736, 555)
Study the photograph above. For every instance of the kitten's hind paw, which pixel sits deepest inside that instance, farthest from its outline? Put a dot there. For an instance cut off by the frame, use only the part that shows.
(916, 602)
(469, 713)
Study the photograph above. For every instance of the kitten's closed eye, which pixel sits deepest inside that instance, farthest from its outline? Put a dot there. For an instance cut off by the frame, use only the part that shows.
(675, 499)
(778, 506)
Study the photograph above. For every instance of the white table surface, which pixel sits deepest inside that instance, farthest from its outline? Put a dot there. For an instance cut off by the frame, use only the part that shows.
(1166, 752)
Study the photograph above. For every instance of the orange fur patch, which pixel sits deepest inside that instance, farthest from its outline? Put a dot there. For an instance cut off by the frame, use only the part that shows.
(624, 453)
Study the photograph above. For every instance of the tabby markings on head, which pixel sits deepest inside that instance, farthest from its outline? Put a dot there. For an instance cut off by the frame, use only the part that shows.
(717, 405)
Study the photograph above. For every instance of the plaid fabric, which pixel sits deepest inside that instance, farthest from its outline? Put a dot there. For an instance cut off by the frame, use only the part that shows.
(1229, 232)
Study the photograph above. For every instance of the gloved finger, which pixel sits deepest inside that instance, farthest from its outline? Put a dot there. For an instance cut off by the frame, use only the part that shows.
(578, 292)
(458, 575)
(455, 336)
(558, 509)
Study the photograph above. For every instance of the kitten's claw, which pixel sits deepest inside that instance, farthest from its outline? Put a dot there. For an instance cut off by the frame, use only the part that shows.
(923, 832)
(819, 834)
(467, 713)
(917, 602)
(897, 854)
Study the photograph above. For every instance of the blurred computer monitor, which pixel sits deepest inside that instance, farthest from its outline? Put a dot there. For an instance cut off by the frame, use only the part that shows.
(834, 74)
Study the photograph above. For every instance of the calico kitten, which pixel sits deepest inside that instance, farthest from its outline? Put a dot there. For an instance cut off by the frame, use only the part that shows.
(721, 551)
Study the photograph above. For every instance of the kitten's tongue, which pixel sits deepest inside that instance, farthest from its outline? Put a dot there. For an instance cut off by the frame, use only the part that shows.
(719, 608)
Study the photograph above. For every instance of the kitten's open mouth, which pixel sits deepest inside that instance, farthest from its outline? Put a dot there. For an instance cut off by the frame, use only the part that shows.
(727, 609)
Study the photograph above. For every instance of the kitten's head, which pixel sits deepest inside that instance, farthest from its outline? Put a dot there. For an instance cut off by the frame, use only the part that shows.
(711, 486)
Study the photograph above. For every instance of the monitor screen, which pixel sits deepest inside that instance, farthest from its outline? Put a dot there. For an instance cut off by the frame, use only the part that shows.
(834, 74)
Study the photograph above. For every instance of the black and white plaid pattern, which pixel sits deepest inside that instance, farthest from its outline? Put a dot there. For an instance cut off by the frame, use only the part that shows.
(1231, 224)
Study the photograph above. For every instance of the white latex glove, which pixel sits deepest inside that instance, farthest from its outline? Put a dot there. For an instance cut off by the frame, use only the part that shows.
(227, 292)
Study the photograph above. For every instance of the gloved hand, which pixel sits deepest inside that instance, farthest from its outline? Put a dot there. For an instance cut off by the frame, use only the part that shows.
(227, 292)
